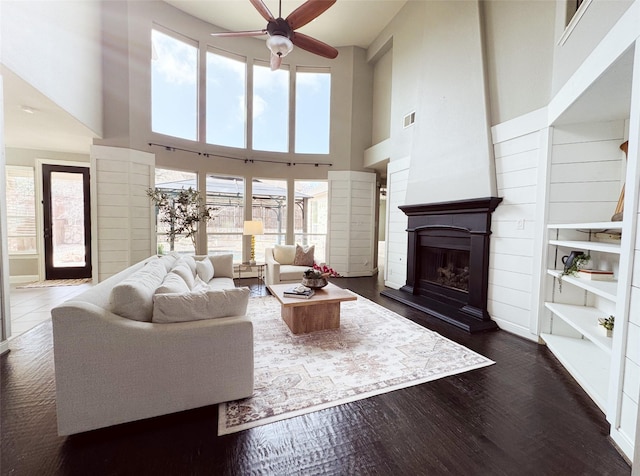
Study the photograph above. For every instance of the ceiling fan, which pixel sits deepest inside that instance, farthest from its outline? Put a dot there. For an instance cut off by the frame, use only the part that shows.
(282, 34)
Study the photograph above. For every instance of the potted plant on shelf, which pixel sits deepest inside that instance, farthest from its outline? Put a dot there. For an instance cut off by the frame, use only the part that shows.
(572, 264)
(182, 211)
(607, 324)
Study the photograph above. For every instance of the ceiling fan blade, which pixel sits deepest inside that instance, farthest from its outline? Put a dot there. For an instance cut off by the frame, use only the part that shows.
(226, 34)
(307, 12)
(313, 46)
(275, 62)
(262, 9)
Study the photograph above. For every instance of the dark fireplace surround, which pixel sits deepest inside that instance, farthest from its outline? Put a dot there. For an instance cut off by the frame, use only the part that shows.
(448, 261)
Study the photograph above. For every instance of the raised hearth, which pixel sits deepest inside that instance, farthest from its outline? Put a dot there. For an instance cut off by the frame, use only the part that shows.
(448, 261)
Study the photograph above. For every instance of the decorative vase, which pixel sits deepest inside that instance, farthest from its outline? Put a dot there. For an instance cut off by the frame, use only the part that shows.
(568, 260)
(314, 283)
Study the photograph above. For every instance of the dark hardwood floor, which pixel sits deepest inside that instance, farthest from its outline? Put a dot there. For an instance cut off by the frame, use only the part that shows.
(524, 415)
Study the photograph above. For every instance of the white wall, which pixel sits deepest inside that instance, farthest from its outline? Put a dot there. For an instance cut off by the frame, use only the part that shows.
(598, 18)
(5, 308)
(55, 47)
(395, 270)
(122, 214)
(519, 40)
(381, 115)
(513, 268)
(451, 156)
(352, 238)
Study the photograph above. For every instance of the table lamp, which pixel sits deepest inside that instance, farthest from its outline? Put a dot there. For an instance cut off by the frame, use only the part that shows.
(253, 228)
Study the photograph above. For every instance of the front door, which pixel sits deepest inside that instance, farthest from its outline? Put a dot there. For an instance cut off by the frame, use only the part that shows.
(67, 222)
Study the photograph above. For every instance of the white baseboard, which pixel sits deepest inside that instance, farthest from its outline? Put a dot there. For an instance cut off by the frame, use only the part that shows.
(360, 274)
(4, 347)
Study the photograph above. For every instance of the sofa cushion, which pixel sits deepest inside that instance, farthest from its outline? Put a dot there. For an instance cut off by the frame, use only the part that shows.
(172, 283)
(204, 269)
(133, 297)
(304, 256)
(284, 254)
(292, 273)
(190, 262)
(200, 305)
(221, 283)
(183, 270)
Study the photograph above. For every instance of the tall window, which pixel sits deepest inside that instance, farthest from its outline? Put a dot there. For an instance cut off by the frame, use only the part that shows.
(269, 205)
(21, 210)
(224, 232)
(311, 215)
(174, 86)
(313, 96)
(270, 109)
(170, 182)
(226, 100)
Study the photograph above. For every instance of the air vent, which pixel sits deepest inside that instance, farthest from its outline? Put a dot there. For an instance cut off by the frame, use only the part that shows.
(409, 119)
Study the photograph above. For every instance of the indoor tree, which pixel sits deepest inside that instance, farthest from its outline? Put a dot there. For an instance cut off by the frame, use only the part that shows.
(182, 211)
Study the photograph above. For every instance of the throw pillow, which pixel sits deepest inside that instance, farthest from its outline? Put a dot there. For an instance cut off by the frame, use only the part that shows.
(284, 254)
(304, 256)
(222, 265)
(204, 269)
(172, 283)
(200, 305)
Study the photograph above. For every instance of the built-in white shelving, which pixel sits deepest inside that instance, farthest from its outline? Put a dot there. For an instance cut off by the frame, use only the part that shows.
(584, 319)
(586, 362)
(596, 226)
(605, 289)
(588, 245)
(585, 353)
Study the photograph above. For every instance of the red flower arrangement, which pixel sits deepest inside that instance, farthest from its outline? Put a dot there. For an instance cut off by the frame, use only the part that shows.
(324, 269)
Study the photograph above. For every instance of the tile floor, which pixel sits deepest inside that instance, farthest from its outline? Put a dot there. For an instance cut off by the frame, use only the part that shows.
(31, 306)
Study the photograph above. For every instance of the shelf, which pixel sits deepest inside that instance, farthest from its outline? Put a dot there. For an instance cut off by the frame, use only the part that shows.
(603, 225)
(585, 320)
(605, 289)
(588, 245)
(586, 362)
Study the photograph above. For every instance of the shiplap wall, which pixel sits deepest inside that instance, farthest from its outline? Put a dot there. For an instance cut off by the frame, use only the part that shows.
(352, 223)
(124, 222)
(586, 172)
(513, 271)
(396, 237)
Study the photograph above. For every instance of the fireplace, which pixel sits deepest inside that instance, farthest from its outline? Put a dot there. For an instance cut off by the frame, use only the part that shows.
(448, 261)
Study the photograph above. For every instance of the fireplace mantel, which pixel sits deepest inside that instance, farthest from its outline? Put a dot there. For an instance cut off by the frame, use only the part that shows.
(466, 224)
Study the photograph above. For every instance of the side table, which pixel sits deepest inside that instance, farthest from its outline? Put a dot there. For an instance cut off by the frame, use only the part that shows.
(250, 267)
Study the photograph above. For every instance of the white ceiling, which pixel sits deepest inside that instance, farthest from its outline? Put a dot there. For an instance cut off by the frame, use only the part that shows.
(347, 22)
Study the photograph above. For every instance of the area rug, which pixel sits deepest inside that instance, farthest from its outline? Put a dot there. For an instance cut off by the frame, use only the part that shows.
(373, 352)
(55, 282)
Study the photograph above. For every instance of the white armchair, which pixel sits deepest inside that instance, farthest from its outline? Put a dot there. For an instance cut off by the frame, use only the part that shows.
(280, 265)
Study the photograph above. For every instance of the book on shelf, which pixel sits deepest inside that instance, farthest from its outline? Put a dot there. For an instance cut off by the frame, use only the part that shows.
(595, 274)
(302, 295)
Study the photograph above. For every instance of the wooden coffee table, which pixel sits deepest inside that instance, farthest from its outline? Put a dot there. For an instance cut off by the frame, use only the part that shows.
(321, 311)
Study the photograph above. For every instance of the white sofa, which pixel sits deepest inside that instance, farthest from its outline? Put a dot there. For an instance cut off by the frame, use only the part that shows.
(280, 265)
(112, 369)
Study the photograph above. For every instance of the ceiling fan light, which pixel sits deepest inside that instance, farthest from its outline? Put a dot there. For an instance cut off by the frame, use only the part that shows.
(279, 45)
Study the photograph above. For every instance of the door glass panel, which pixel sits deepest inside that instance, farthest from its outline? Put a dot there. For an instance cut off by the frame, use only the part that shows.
(67, 220)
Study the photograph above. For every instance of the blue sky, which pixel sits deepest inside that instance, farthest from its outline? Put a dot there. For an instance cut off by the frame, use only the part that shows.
(175, 92)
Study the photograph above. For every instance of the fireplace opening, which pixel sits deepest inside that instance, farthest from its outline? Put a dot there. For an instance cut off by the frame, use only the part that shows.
(447, 268)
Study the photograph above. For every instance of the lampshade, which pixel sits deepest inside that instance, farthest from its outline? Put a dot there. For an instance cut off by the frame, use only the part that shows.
(253, 227)
(279, 45)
